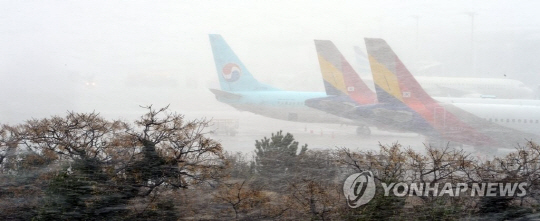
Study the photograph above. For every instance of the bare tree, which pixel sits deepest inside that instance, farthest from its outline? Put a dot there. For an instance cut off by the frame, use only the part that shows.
(96, 167)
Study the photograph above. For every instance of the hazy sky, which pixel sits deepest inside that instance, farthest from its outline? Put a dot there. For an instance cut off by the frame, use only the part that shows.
(81, 55)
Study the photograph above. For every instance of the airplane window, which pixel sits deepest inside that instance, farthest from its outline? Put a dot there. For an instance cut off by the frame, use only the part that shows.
(530, 121)
(536, 121)
(507, 120)
(496, 120)
(519, 120)
(513, 120)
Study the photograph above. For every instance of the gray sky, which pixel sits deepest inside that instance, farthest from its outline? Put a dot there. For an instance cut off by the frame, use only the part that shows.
(142, 52)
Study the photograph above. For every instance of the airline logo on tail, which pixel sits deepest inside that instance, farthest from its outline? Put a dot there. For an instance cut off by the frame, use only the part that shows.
(231, 72)
(396, 85)
(338, 75)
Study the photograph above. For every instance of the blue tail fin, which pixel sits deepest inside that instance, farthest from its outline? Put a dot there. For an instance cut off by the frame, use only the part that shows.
(232, 74)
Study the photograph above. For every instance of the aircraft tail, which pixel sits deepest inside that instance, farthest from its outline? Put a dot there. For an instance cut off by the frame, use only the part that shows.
(393, 81)
(232, 74)
(395, 85)
(338, 75)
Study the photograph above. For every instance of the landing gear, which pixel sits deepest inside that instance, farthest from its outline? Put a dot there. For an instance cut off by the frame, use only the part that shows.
(363, 131)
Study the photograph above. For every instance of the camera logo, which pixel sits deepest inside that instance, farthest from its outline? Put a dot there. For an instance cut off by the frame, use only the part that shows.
(359, 189)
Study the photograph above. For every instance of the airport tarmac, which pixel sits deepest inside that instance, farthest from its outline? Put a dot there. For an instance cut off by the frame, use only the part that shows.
(318, 136)
(253, 127)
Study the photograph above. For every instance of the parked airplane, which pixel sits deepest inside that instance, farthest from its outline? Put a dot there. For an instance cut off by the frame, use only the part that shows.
(241, 90)
(347, 90)
(484, 123)
(462, 123)
(503, 88)
(347, 93)
(340, 79)
(343, 86)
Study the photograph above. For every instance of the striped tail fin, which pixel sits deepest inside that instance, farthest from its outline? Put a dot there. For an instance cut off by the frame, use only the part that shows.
(393, 81)
(338, 75)
(397, 86)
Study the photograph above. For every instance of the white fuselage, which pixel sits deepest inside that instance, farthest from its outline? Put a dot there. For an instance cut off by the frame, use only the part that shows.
(284, 105)
(524, 118)
(472, 87)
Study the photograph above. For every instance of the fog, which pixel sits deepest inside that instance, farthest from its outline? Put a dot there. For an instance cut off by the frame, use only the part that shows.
(448, 121)
(113, 56)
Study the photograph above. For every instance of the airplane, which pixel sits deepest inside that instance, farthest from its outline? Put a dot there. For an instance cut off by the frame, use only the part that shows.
(502, 122)
(347, 92)
(239, 89)
(503, 88)
(342, 84)
(482, 125)
(340, 79)
(345, 89)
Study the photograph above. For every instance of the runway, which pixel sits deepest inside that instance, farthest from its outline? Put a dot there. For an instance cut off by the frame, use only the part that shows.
(318, 136)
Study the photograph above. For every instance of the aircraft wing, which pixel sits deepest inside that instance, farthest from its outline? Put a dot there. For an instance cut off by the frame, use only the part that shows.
(379, 115)
(341, 106)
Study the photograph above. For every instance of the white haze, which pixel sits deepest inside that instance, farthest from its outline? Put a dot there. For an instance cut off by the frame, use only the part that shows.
(112, 56)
